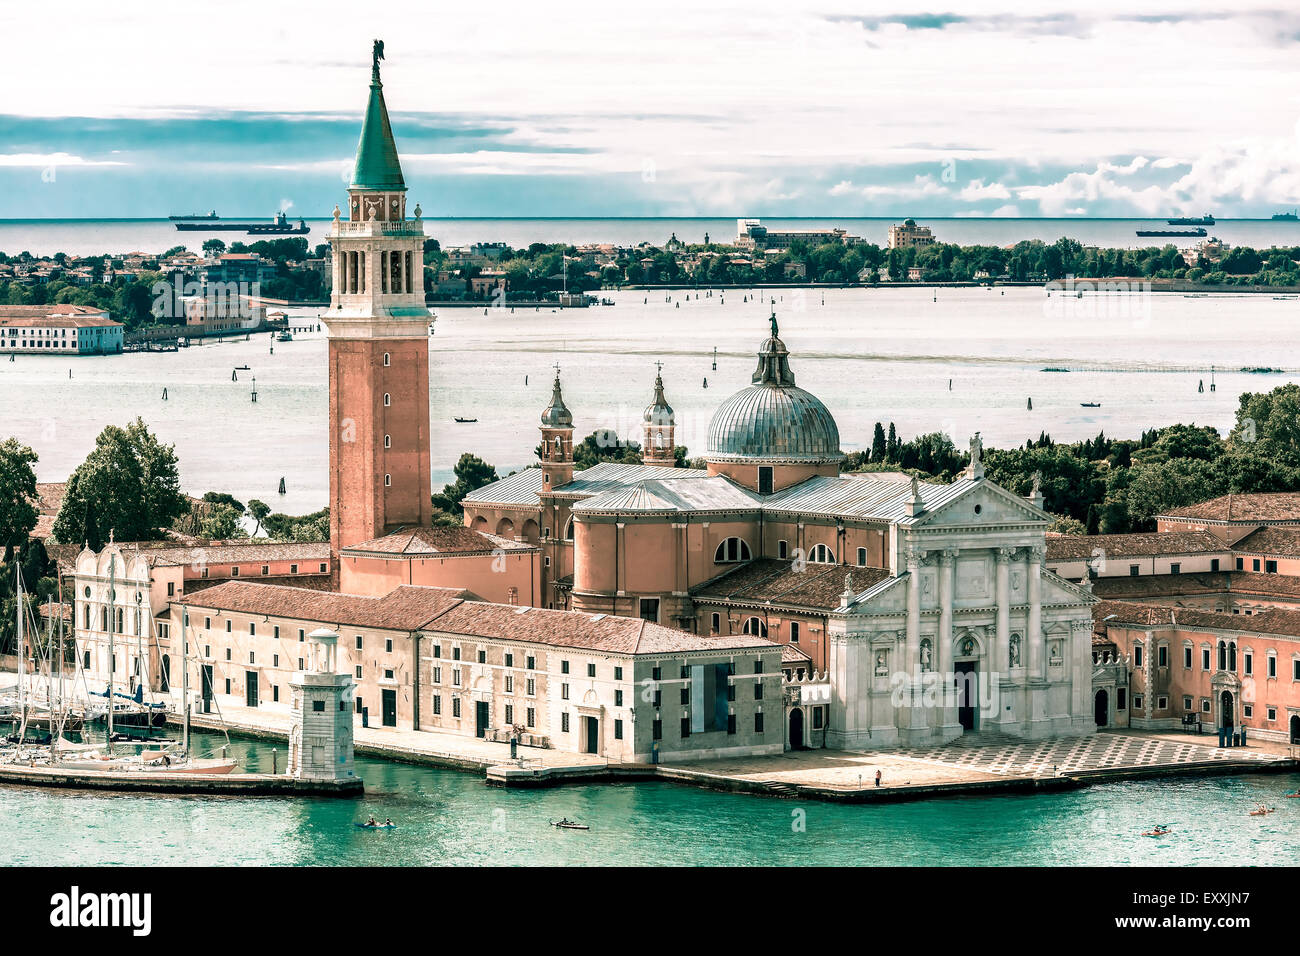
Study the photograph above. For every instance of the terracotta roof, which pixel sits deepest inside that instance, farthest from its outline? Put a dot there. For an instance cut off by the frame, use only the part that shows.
(1144, 586)
(1270, 540)
(50, 496)
(405, 608)
(793, 655)
(1275, 506)
(229, 551)
(1078, 547)
(577, 629)
(1280, 621)
(772, 581)
(438, 540)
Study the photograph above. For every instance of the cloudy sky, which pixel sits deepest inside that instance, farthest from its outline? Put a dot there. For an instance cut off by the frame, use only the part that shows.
(672, 108)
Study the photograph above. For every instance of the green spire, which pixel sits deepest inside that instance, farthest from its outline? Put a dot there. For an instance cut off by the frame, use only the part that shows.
(377, 166)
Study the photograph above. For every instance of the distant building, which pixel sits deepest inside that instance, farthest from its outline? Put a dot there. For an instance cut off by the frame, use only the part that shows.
(59, 329)
(487, 282)
(752, 234)
(909, 235)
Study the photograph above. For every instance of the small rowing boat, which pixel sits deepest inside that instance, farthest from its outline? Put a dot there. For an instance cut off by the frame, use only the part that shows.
(1158, 832)
(1260, 811)
(375, 826)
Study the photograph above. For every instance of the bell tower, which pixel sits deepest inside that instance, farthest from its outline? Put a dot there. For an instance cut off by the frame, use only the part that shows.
(557, 440)
(658, 432)
(378, 328)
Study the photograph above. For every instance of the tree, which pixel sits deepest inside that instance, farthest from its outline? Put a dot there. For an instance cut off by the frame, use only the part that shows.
(878, 443)
(213, 247)
(222, 521)
(1153, 489)
(1268, 424)
(17, 493)
(1069, 484)
(471, 472)
(128, 486)
(258, 510)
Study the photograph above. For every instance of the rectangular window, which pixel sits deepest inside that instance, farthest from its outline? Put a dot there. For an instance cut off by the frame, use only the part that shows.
(685, 697)
(265, 570)
(764, 479)
(686, 727)
(482, 657)
(794, 632)
(1270, 567)
(388, 645)
(1137, 656)
(731, 723)
(437, 650)
(1205, 658)
(234, 570)
(618, 673)
(1137, 701)
(293, 569)
(510, 660)
(564, 667)
(1162, 656)
(1249, 660)
(322, 567)
(591, 670)
(1205, 705)
(510, 714)
(302, 635)
(455, 653)
(1241, 564)
(1187, 703)
(437, 675)
(1214, 564)
(1121, 698)
(455, 706)
(1272, 713)
(437, 704)
(1295, 668)
(650, 610)
(862, 557)
(510, 684)
(618, 730)
(1134, 570)
(564, 692)
(758, 690)
(171, 588)
(758, 722)
(1247, 710)
(564, 722)
(358, 672)
(1272, 666)
(532, 663)
(360, 643)
(656, 673)
(1162, 703)
(656, 729)
(318, 706)
(275, 693)
(1254, 564)
(252, 629)
(1187, 657)
(618, 698)
(783, 549)
(275, 632)
(455, 677)
(530, 687)
(1175, 568)
(530, 717)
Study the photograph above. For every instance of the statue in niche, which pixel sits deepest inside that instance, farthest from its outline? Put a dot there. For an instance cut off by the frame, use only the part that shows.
(1054, 654)
(882, 666)
(1016, 580)
(925, 655)
(968, 646)
(1015, 651)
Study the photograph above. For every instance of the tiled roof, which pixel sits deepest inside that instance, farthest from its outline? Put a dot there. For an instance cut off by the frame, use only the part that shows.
(772, 581)
(860, 495)
(670, 495)
(1077, 547)
(1268, 540)
(576, 629)
(1280, 621)
(792, 655)
(608, 475)
(1136, 587)
(50, 496)
(1261, 507)
(521, 488)
(405, 608)
(233, 552)
(437, 540)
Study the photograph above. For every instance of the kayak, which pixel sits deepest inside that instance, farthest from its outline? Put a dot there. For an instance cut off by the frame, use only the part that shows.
(375, 826)
(1158, 833)
(1260, 813)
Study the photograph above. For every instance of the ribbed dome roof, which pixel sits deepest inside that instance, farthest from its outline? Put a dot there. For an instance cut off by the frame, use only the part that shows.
(557, 414)
(773, 419)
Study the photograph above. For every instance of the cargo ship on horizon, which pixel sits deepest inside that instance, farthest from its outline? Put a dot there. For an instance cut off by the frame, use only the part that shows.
(1181, 233)
(194, 216)
(279, 226)
(1206, 220)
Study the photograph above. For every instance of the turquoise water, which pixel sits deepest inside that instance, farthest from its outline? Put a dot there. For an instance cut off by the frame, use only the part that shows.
(446, 817)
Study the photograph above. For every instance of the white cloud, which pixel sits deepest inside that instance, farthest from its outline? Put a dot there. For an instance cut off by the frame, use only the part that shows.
(977, 191)
(52, 159)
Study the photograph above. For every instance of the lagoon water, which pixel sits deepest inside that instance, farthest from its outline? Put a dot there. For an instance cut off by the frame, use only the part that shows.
(871, 355)
(445, 817)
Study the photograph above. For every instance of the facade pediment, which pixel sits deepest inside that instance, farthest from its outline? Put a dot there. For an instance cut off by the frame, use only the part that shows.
(995, 505)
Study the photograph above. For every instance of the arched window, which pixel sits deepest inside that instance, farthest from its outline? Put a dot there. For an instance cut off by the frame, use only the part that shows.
(755, 626)
(568, 529)
(87, 614)
(1223, 655)
(731, 550)
(388, 399)
(715, 622)
(388, 441)
(387, 359)
(820, 554)
(388, 480)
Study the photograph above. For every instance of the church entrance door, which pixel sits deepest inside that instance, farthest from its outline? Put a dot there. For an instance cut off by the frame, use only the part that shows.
(964, 682)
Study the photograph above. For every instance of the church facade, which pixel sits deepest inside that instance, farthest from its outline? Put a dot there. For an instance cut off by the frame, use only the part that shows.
(923, 611)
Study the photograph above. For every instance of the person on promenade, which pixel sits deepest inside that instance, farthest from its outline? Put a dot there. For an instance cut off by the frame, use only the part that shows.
(877, 777)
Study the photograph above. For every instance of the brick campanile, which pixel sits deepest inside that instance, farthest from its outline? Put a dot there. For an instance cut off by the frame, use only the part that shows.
(378, 346)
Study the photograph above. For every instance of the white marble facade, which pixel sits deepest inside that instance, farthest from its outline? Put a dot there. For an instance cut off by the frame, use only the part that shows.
(970, 634)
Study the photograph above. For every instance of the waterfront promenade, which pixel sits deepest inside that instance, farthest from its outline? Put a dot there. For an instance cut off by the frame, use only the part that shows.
(992, 764)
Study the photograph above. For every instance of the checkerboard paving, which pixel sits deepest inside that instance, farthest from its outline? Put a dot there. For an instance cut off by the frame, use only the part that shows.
(1064, 755)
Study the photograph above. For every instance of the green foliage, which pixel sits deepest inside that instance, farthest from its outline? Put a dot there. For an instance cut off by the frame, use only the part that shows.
(1069, 483)
(471, 472)
(17, 493)
(310, 527)
(129, 486)
(605, 445)
(222, 521)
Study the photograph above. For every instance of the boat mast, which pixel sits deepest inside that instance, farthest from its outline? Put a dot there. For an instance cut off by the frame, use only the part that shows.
(112, 661)
(185, 680)
(22, 651)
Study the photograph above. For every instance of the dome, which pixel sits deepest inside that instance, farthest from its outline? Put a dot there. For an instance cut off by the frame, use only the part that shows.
(773, 419)
(557, 414)
(658, 412)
